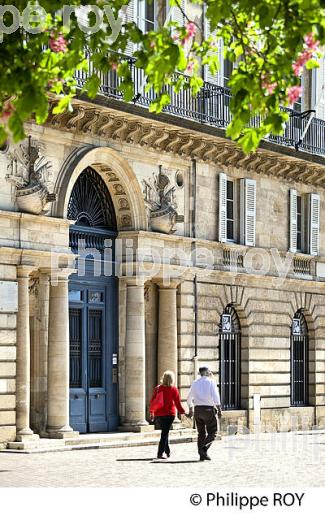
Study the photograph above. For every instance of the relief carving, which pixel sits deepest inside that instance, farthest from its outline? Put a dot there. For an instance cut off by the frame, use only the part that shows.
(31, 174)
(159, 196)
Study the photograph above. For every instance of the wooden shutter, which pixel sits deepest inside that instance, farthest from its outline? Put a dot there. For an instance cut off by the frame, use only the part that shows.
(216, 79)
(222, 207)
(293, 221)
(320, 89)
(247, 212)
(174, 14)
(313, 224)
(129, 14)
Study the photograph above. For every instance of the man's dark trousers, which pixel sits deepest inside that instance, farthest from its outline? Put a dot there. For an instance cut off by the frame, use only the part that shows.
(207, 426)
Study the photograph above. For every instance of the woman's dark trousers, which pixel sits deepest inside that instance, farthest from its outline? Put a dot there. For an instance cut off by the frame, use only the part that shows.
(165, 422)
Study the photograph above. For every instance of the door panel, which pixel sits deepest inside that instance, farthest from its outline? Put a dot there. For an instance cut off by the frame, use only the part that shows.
(78, 393)
(95, 347)
(93, 341)
(75, 327)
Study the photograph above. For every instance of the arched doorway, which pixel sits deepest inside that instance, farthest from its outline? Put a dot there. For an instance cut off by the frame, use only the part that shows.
(93, 320)
(229, 352)
(299, 360)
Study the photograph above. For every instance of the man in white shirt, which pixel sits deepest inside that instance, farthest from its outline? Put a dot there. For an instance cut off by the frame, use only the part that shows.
(204, 395)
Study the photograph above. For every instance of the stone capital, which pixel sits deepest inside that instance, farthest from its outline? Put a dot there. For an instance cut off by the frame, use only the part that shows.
(134, 281)
(23, 271)
(168, 284)
(60, 275)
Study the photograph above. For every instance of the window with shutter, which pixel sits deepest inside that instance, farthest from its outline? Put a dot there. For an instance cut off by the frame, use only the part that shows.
(128, 14)
(300, 219)
(175, 14)
(216, 79)
(222, 207)
(318, 89)
(230, 210)
(247, 211)
(293, 221)
(314, 220)
(146, 15)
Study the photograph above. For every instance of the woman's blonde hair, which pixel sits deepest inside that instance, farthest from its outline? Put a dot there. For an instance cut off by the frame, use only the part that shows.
(168, 378)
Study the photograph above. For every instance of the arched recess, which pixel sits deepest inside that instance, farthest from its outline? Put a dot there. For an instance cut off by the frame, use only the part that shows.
(235, 297)
(230, 359)
(299, 360)
(308, 324)
(119, 178)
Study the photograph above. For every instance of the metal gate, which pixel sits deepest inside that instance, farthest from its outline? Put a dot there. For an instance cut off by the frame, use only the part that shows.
(299, 360)
(229, 351)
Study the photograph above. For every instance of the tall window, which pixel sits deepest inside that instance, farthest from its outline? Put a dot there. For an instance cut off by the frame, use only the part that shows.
(304, 222)
(237, 210)
(227, 71)
(230, 211)
(147, 14)
(229, 351)
(299, 223)
(299, 360)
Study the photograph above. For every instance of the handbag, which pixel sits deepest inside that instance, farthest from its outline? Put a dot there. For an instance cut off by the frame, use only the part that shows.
(157, 401)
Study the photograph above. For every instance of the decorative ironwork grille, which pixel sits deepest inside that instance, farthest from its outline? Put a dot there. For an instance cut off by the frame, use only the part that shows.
(90, 204)
(211, 105)
(299, 360)
(75, 324)
(95, 348)
(229, 351)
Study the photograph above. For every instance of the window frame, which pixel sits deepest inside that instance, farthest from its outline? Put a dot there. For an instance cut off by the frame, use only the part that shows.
(299, 388)
(301, 231)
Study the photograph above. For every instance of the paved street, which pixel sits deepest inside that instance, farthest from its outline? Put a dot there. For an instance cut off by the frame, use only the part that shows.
(266, 460)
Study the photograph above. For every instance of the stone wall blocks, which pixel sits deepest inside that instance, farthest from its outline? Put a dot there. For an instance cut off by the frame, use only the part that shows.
(7, 369)
(7, 353)
(7, 418)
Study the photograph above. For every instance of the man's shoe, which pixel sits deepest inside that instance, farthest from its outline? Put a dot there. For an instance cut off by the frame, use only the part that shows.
(204, 457)
(161, 457)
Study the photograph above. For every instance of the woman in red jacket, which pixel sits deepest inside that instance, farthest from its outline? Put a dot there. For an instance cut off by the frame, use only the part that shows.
(163, 404)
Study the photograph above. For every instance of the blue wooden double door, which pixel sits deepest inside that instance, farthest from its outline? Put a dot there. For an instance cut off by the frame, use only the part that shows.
(93, 302)
(93, 354)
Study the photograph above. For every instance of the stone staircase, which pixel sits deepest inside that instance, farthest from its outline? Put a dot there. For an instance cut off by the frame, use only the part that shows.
(100, 441)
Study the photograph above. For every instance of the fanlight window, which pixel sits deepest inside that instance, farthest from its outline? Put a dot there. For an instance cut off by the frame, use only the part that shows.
(230, 342)
(90, 204)
(299, 360)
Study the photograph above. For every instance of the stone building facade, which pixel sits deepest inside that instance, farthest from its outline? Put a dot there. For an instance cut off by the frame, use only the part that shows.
(189, 252)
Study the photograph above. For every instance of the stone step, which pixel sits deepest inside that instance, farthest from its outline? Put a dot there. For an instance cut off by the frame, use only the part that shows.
(100, 441)
(94, 438)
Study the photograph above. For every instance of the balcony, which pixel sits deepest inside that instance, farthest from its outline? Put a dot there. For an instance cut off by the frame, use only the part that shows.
(211, 107)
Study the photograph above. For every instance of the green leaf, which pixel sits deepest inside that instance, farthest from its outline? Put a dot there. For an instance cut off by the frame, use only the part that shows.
(159, 103)
(92, 86)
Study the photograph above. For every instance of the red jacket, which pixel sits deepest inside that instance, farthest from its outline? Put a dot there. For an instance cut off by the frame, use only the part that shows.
(171, 401)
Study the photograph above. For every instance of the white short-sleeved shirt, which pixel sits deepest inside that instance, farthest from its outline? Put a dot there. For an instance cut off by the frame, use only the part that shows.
(204, 392)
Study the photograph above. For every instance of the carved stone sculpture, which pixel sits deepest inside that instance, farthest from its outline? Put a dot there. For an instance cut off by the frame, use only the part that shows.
(31, 173)
(159, 196)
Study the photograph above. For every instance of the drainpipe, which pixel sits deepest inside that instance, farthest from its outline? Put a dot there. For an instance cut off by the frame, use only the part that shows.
(194, 189)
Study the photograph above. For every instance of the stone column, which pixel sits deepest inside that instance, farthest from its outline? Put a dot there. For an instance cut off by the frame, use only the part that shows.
(135, 414)
(24, 431)
(167, 329)
(58, 360)
(43, 298)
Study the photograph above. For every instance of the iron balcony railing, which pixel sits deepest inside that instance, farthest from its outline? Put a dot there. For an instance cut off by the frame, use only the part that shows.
(211, 107)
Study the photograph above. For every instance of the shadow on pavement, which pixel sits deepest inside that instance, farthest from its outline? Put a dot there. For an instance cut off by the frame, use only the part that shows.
(173, 461)
(134, 460)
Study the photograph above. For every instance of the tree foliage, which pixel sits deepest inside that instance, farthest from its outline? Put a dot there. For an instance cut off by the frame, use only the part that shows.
(270, 41)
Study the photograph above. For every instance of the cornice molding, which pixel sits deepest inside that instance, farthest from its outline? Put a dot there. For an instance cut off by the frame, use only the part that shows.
(111, 124)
